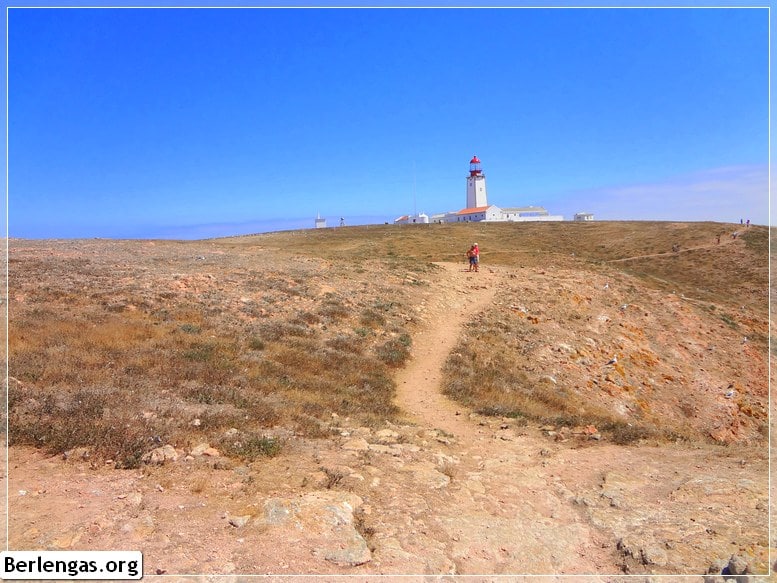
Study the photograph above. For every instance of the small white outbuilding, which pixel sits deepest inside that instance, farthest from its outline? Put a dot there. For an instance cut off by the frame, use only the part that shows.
(418, 219)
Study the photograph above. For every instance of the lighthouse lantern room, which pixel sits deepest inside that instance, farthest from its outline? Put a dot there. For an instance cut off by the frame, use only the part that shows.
(476, 185)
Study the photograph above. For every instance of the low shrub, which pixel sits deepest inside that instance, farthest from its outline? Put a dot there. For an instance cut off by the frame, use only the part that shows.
(249, 447)
(394, 352)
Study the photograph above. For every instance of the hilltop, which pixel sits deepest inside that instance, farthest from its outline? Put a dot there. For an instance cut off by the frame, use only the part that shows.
(356, 395)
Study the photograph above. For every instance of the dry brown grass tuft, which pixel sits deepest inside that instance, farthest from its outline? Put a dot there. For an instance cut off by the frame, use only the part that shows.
(89, 419)
(250, 446)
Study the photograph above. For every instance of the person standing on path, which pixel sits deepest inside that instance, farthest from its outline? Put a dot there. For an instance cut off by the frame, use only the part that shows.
(474, 257)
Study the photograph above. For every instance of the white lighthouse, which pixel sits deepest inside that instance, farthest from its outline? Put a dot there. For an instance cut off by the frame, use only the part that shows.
(476, 185)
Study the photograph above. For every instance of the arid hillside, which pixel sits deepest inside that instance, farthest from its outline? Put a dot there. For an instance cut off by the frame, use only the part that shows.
(688, 327)
(352, 401)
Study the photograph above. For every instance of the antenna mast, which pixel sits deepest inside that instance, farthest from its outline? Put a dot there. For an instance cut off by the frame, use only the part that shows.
(415, 210)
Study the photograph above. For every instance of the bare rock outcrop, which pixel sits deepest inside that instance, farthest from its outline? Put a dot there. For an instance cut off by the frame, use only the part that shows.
(321, 523)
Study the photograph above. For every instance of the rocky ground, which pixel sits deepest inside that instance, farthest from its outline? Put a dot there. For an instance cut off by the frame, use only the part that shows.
(444, 491)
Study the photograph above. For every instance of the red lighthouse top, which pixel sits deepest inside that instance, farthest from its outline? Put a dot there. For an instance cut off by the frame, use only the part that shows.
(474, 166)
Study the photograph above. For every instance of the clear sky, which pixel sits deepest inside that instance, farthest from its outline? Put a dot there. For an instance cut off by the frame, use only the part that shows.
(192, 123)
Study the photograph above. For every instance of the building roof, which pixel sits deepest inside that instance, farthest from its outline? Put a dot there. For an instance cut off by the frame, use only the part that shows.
(477, 209)
(526, 209)
(402, 218)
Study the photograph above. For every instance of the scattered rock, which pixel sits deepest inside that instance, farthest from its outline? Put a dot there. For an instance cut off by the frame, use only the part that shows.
(356, 444)
(354, 552)
(717, 567)
(239, 521)
(427, 474)
(199, 449)
(326, 519)
(387, 436)
(654, 555)
(738, 565)
(77, 454)
(160, 455)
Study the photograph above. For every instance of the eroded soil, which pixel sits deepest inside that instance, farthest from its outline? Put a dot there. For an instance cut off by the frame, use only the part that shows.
(446, 491)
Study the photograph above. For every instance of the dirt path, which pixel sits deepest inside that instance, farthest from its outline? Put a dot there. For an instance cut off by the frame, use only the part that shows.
(501, 506)
(518, 502)
(459, 296)
(724, 241)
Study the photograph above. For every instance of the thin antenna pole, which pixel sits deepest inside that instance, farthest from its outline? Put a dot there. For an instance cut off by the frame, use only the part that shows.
(415, 210)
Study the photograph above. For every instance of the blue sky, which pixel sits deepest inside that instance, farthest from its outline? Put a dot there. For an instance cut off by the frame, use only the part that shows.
(192, 123)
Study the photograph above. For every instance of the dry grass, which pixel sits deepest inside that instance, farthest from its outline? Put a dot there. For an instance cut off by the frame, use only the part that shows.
(119, 345)
(127, 364)
(504, 364)
(488, 372)
(707, 272)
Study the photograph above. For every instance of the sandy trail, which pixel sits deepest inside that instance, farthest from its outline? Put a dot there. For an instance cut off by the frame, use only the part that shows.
(724, 241)
(500, 497)
(462, 295)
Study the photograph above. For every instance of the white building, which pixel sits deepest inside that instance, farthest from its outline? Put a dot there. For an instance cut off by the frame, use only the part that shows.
(482, 213)
(320, 223)
(419, 219)
(478, 209)
(584, 217)
(528, 213)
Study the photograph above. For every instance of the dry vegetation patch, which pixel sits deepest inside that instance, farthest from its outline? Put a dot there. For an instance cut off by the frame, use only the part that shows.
(123, 360)
(544, 353)
(122, 345)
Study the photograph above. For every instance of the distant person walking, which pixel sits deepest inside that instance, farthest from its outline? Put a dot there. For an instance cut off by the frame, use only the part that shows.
(474, 258)
(748, 223)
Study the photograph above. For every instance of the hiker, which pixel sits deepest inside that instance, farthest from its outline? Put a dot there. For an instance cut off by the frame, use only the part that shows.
(748, 223)
(474, 257)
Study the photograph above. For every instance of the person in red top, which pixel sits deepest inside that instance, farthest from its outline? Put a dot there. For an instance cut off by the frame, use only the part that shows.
(474, 257)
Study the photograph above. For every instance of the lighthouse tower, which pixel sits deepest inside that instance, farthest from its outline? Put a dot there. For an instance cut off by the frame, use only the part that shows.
(476, 185)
